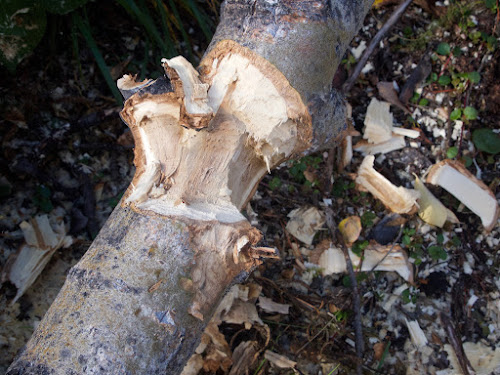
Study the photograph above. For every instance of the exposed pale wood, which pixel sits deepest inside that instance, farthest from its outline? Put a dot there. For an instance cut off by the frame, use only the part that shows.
(472, 192)
(139, 299)
(396, 198)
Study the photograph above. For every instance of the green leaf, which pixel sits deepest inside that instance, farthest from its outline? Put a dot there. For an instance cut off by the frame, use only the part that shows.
(470, 113)
(491, 42)
(490, 3)
(474, 77)
(486, 140)
(455, 114)
(456, 241)
(475, 36)
(423, 102)
(41, 198)
(443, 49)
(406, 240)
(22, 24)
(457, 51)
(437, 252)
(408, 296)
(433, 77)
(359, 246)
(415, 97)
(444, 80)
(275, 183)
(407, 31)
(367, 219)
(452, 152)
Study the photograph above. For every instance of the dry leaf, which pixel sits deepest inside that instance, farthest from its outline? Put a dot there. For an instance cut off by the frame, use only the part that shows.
(350, 228)
(389, 93)
(418, 74)
(244, 356)
(378, 350)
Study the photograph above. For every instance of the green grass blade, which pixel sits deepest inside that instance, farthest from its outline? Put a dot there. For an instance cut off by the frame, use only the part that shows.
(182, 30)
(146, 21)
(171, 52)
(85, 30)
(204, 21)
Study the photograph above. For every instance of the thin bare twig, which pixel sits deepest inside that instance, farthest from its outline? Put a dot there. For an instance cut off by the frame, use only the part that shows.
(358, 328)
(315, 336)
(374, 43)
(456, 343)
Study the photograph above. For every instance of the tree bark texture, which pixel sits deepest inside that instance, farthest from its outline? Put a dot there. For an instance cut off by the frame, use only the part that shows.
(141, 296)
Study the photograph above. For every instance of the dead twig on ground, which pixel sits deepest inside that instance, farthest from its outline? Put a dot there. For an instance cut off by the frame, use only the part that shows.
(374, 43)
(456, 343)
(330, 222)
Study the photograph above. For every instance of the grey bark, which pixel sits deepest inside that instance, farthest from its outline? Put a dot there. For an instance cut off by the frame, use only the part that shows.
(127, 306)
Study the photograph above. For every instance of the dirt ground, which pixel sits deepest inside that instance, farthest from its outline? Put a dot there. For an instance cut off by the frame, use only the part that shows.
(66, 154)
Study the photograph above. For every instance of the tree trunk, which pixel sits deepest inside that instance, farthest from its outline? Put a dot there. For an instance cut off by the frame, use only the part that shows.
(141, 296)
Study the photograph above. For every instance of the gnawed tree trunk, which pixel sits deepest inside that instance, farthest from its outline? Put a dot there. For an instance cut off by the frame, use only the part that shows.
(139, 299)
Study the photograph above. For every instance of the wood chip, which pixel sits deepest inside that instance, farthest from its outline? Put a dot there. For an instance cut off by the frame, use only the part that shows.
(42, 239)
(378, 122)
(396, 142)
(484, 360)
(473, 193)
(279, 360)
(397, 199)
(376, 257)
(304, 223)
(416, 334)
(431, 210)
(268, 305)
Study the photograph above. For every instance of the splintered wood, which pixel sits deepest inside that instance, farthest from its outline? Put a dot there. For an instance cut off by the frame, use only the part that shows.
(375, 258)
(379, 133)
(473, 193)
(397, 199)
(430, 209)
(202, 148)
(42, 239)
